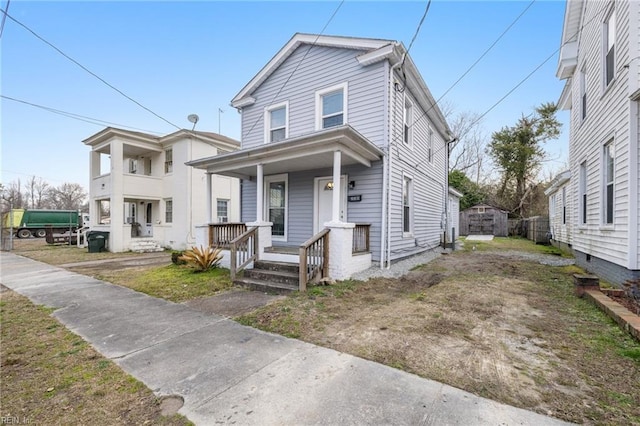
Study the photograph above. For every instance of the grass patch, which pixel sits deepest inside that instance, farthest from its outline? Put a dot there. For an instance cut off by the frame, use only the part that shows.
(38, 249)
(51, 376)
(177, 283)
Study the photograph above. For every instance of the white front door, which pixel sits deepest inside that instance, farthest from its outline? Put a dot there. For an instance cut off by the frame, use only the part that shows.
(323, 200)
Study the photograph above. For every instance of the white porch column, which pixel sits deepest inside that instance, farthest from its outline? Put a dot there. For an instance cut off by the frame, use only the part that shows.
(264, 228)
(259, 193)
(340, 249)
(117, 239)
(209, 199)
(335, 210)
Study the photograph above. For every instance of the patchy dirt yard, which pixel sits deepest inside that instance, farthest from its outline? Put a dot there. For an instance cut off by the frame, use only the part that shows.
(494, 323)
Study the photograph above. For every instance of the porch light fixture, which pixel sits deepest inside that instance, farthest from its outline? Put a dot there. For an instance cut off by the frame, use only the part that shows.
(328, 186)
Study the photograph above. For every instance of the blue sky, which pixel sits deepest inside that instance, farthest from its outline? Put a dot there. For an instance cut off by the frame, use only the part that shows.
(179, 58)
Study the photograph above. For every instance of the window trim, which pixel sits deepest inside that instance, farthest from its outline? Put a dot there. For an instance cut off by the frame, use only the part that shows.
(265, 208)
(430, 144)
(582, 194)
(583, 94)
(168, 164)
(345, 103)
(605, 51)
(227, 202)
(168, 201)
(407, 122)
(406, 177)
(605, 223)
(267, 120)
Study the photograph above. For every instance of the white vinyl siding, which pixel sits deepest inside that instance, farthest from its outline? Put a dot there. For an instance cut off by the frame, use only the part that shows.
(608, 116)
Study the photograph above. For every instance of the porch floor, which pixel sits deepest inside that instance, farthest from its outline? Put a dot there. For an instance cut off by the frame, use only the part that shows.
(282, 250)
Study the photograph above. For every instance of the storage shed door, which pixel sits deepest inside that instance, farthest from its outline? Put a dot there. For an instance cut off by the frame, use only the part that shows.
(481, 224)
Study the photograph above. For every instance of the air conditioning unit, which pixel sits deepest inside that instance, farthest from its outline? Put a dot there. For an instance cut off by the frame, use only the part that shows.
(223, 219)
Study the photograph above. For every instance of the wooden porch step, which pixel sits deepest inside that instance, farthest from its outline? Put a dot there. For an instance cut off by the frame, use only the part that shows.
(265, 286)
(269, 276)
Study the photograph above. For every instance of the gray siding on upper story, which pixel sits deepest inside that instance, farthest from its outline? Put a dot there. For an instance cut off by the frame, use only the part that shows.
(322, 67)
(368, 184)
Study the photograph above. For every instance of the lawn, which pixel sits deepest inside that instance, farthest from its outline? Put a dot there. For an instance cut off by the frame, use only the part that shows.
(487, 321)
(51, 376)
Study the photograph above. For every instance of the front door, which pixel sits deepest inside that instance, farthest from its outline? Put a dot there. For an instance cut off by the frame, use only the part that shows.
(149, 221)
(324, 201)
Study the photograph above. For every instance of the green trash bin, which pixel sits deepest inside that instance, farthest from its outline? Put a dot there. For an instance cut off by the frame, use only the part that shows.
(97, 241)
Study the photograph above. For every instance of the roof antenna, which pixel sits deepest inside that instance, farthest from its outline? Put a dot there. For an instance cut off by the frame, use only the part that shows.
(193, 118)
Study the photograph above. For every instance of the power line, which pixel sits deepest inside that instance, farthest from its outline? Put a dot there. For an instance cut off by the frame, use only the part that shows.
(90, 120)
(468, 70)
(298, 64)
(89, 71)
(424, 15)
(4, 17)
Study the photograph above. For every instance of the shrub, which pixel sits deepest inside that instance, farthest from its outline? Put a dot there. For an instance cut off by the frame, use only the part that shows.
(175, 258)
(203, 258)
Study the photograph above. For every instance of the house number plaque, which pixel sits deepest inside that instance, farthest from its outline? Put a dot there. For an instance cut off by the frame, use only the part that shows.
(354, 198)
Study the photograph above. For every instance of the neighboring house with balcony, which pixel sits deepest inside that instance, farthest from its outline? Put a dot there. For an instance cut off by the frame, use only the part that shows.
(144, 195)
(344, 152)
(600, 63)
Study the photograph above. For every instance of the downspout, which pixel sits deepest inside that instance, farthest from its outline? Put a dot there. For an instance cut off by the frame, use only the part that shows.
(390, 155)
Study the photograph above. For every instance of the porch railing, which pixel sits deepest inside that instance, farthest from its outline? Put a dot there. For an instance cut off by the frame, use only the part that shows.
(361, 238)
(314, 259)
(244, 249)
(221, 234)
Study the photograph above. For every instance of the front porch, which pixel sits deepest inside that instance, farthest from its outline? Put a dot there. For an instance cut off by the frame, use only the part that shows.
(286, 268)
(298, 197)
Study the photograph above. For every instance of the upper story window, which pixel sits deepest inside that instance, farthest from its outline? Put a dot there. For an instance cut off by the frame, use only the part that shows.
(407, 122)
(277, 122)
(331, 107)
(608, 182)
(133, 166)
(168, 160)
(609, 48)
(583, 93)
(430, 145)
(564, 205)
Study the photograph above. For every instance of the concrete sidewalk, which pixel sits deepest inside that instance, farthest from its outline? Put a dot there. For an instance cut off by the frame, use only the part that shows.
(229, 373)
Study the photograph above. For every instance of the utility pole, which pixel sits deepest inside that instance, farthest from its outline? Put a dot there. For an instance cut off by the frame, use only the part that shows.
(220, 110)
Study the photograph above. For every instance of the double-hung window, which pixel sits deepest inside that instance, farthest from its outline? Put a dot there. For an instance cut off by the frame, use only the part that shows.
(583, 193)
(168, 160)
(608, 182)
(407, 122)
(168, 210)
(222, 209)
(564, 205)
(331, 107)
(407, 201)
(583, 93)
(430, 145)
(276, 119)
(609, 48)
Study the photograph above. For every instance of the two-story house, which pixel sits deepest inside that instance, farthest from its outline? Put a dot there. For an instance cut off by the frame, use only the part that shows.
(600, 62)
(144, 195)
(340, 135)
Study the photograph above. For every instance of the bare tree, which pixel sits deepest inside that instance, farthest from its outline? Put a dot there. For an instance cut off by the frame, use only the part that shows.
(68, 196)
(37, 192)
(13, 194)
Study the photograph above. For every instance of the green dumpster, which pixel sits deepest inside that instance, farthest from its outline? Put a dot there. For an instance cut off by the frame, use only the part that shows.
(97, 241)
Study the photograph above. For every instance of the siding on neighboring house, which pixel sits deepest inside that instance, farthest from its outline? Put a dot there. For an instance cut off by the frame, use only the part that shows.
(608, 112)
(561, 230)
(322, 67)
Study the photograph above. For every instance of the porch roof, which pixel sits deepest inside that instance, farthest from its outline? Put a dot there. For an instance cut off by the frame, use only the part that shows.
(308, 152)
